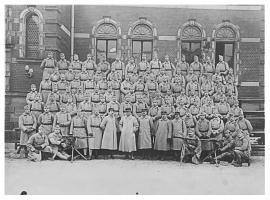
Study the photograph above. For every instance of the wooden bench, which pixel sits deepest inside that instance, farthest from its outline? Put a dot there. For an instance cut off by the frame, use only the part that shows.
(13, 136)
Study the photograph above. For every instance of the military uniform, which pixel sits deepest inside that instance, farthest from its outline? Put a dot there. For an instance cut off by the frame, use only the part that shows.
(86, 108)
(183, 67)
(193, 149)
(63, 65)
(63, 119)
(178, 130)
(46, 120)
(55, 140)
(138, 107)
(78, 129)
(103, 86)
(90, 66)
(98, 76)
(145, 129)
(27, 124)
(69, 75)
(245, 126)
(89, 87)
(84, 76)
(76, 66)
(223, 68)
(202, 128)
(195, 110)
(116, 85)
(155, 66)
(216, 128)
(36, 108)
(55, 77)
(48, 65)
(67, 95)
(209, 69)
(53, 105)
(169, 68)
(119, 67)
(163, 133)
(123, 106)
(30, 97)
(197, 68)
(93, 128)
(61, 86)
(75, 84)
(116, 108)
(223, 109)
(71, 109)
(143, 67)
(242, 149)
(104, 67)
(45, 89)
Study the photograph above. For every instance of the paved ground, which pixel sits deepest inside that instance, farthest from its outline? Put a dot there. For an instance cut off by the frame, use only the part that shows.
(119, 176)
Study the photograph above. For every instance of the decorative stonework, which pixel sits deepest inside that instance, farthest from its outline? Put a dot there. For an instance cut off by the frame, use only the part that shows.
(22, 32)
(225, 33)
(142, 29)
(191, 33)
(105, 28)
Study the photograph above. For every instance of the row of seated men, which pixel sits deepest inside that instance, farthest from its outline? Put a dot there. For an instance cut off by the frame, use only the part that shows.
(145, 133)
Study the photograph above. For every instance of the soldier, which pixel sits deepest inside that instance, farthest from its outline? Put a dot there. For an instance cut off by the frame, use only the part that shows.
(183, 98)
(116, 85)
(89, 87)
(208, 109)
(168, 107)
(53, 105)
(67, 95)
(128, 127)
(207, 87)
(209, 68)
(115, 105)
(125, 104)
(179, 131)
(192, 148)
(155, 64)
(223, 109)
(139, 86)
(206, 98)
(46, 120)
(190, 75)
(230, 87)
(230, 78)
(62, 119)
(48, 65)
(193, 85)
(226, 150)
(164, 87)
(151, 87)
(162, 76)
(182, 66)
(54, 94)
(177, 86)
(216, 127)
(79, 96)
(62, 85)
(103, 85)
(63, 64)
(38, 145)
(93, 129)
(230, 99)
(236, 110)
(90, 64)
(31, 95)
(182, 109)
(109, 139)
(78, 128)
(36, 106)
(163, 135)
(27, 124)
(119, 67)
(57, 143)
(104, 66)
(86, 107)
(155, 114)
(95, 98)
(102, 107)
(195, 110)
(241, 149)
(196, 66)
(109, 94)
(84, 76)
(71, 107)
(143, 66)
(75, 84)
(194, 99)
(55, 76)
(131, 67)
(145, 132)
(45, 88)
(218, 78)
(98, 75)
(169, 67)
(222, 67)
(76, 64)
(244, 124)
(126, 86)
(231, 125)
(202, 129)
(114, 75)
(70, 75)
(134, 77)
(139, 106)
(217, 96)
(190, 121)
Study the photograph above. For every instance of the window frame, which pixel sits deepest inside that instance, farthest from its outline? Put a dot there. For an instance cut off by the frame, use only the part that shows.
(106, 44)
(141, 47)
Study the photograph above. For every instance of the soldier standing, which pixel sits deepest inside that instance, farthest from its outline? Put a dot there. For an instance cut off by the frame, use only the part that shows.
(62, 119)
(62, 85)
(155, 64)
(131, 67)
(86, 107)
(104, 66)
(182, 66)
(45, 88)
(143, 66)
(27, 124)
(202, 129)
(244, 124)
(222, 67)
(196, 66)
(169, 67)
(76, 64)
(119, 67)
(216, 127)
(46, 120)
(63, 64)
(36, 106)
(48, 65)
(90, 64)
(31, 95)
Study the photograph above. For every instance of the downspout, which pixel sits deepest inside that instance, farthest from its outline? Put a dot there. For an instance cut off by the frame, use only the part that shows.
(72, 31)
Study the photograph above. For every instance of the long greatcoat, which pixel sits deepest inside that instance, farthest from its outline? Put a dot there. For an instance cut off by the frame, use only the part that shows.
(128, 127)
(144, 138)
(93, 127)
(164, 131)
(109, 140)
(178, 130)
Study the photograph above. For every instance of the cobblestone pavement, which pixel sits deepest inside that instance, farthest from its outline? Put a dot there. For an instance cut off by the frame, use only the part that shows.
(118, 176)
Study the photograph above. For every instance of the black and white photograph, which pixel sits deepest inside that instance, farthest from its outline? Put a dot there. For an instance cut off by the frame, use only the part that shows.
(134, 99)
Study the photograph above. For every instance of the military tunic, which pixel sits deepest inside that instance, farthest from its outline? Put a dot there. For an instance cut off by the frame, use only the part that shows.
(178, 130)
(48, 65)
(78, 129)
(93, 127)
(45, 89)
(145, 127)
(27, 122)
(109, 139)
(63, 119)
(46, 120)
(164, 131)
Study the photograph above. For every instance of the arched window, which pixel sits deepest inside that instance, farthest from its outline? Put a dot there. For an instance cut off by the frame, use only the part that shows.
(191, 38)
(106, 39)
(226, 41)
(142, 37)
(31, 34)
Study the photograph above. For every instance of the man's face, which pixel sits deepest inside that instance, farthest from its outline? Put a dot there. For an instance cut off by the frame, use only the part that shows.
(220, 58)
(62, 108)
(144, 113)
(50, 55)
(111, 112)
(128, 113)
(164, 116)
(177, 116)
(76, 57)
(33, 88)
(167, 58)
(144, 57)
(62, 56)
(57, 130)
(88, 56)
(27, 110)
(131, 60)
(183, 58)
(196, 58)
(41, 130)
(46, 109)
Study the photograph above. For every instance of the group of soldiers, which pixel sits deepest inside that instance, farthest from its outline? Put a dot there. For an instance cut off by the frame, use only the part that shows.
(152, 107)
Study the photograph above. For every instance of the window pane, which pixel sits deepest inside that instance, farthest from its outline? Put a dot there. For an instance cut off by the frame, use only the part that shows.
(136, 47)
(111, 46)
(185, 46)
(228, 54)
(195, 46)
(149, 56)
(32, 36)
(101, 49)
(147, 46)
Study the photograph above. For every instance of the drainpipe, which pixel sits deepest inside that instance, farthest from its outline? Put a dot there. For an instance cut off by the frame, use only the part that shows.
(72, 31)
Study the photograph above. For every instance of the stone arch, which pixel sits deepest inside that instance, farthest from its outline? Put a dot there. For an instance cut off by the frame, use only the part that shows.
(142, 29)
(22, 32)
(190, 31)
(106, 28)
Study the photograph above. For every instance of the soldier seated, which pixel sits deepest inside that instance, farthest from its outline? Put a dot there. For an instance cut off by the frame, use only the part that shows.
(38, 146)
(58, 144)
